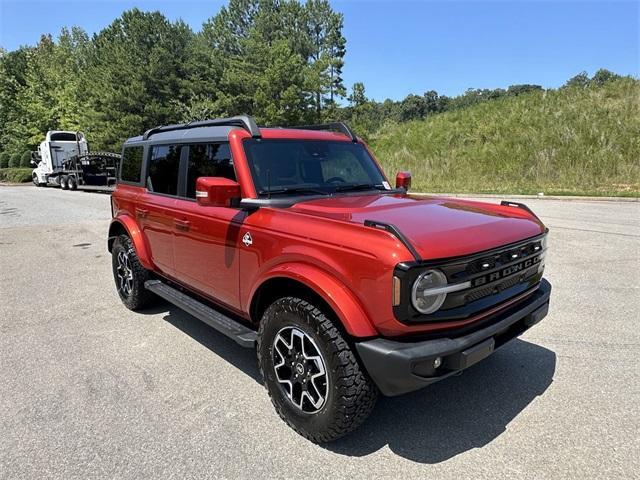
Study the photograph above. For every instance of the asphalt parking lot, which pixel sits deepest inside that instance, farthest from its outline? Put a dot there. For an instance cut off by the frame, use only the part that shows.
(90, 389)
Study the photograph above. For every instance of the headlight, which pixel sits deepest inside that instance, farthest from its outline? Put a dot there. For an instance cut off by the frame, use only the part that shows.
(427, 295)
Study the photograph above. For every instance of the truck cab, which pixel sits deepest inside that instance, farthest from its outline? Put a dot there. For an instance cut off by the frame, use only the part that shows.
(57, 147)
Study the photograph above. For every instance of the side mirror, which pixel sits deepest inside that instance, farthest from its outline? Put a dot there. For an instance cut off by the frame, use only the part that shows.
(403, 180)
(33, 162)
(217, 192)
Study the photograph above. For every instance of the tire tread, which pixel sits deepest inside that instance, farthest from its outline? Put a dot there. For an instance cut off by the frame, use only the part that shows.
(354, 391)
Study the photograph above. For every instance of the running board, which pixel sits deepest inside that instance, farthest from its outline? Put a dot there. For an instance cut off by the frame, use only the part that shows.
(233, 329)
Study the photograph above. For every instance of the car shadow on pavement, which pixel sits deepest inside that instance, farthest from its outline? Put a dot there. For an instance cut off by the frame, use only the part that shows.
(433, 424)
(242, 358)
(460, 413)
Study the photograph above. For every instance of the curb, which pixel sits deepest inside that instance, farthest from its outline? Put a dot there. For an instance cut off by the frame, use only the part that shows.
(533, 197)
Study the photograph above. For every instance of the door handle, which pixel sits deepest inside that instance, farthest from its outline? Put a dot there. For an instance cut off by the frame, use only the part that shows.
(141, 212)
(181, 224)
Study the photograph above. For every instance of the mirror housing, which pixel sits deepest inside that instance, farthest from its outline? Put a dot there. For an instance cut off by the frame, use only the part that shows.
(403, 180)
(217, 192)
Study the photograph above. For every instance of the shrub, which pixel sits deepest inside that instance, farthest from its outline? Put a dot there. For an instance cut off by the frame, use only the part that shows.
(14, 161)
(15, 175)
(4, 160)
(25, 161)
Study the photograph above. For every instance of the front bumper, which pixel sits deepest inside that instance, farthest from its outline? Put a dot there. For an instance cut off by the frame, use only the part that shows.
(401, 367)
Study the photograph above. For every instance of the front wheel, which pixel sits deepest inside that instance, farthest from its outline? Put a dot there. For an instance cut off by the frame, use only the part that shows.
(313, 377)
(36, 182)
(130, 275)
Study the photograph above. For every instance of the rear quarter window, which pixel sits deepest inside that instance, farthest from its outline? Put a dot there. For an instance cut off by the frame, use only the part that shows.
(131, 170)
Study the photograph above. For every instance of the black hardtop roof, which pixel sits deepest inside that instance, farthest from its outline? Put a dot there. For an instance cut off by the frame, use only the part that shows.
(219, 128)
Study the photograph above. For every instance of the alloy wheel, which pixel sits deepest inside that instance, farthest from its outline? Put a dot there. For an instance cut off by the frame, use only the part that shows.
(300, 369)
(124, 273)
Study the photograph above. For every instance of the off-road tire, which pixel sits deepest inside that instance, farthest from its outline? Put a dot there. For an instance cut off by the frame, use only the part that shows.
(64, 182)
(72, 183)
(138, 297)
(351, 395)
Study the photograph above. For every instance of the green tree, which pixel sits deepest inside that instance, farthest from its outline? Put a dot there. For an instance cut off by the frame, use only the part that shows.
(135, 75)
(357, 97)
(326, 48)
(580, 80)
(603, 76)
(4, 159)
(412, 108)
(515, 90)
(42, 89)
(13, 71)
(14, 161)
(25, 160)
(248, 37)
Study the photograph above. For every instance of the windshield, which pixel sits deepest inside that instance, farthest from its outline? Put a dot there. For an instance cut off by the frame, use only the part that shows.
(65, 137)
(281, 167)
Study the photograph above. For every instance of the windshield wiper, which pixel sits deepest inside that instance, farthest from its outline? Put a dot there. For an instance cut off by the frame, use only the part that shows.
(358, 186)
(293, 190)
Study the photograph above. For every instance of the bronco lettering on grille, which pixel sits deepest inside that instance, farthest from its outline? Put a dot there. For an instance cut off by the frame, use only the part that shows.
(505, 272)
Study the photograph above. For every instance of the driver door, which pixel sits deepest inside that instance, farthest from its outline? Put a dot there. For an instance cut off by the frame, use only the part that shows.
(206, 238)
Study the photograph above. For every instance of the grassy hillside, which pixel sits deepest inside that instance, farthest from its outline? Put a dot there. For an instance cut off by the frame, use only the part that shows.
(569, 141)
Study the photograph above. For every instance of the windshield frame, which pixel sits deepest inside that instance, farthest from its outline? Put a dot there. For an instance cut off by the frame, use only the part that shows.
(298, 190)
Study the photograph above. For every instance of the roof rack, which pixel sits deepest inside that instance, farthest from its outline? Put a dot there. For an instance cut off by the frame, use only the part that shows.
(332, 127)
(243, 121)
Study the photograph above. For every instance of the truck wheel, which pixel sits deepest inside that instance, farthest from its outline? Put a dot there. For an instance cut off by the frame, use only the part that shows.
(34, 177)
(64, 185)
(71, 183)
(130, 275)
(313, 377)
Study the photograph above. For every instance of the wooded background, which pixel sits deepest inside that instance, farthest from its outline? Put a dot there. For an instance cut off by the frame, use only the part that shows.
(281, 61)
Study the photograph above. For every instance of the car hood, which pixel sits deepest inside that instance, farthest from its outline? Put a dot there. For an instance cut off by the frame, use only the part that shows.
(437, 227)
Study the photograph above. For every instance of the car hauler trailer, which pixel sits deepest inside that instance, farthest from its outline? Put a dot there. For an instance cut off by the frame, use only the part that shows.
(63, 159)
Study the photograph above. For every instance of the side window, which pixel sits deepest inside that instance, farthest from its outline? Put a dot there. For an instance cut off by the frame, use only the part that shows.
(208, 160)
(163, 169)
(131, 164)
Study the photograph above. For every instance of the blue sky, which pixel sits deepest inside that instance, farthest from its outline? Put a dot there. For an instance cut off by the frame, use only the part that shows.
(397, 48)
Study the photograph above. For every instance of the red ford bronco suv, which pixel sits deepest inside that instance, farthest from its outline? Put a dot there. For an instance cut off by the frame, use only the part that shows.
(291, 241)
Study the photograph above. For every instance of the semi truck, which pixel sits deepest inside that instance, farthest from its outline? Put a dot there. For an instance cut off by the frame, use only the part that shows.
(63, 159)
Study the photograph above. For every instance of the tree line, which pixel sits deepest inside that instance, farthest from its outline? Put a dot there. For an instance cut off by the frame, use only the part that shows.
(278, 60)
(368, 116)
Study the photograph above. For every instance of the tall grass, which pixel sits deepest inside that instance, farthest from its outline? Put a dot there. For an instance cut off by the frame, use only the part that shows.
(15, 175)
(566, 141)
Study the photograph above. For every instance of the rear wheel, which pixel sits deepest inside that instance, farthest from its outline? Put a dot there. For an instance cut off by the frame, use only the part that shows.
(313, 377)
(72, 183)
(130, 275)
(64, 182)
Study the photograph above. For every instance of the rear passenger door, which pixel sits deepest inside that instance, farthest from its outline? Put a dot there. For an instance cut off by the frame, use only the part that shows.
(156, 208)
(206, 239)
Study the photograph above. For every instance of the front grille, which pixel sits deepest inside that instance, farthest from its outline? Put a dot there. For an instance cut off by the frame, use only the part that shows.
(495, 277)
(505, 257)
(494, 289)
